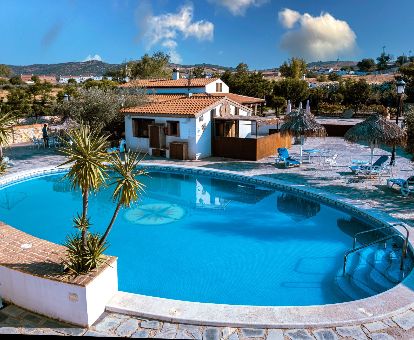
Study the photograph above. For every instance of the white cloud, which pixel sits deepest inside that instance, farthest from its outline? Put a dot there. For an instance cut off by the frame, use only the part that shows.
(166, 29)
(171, 44)
(316, 38)
(288, 18)
(175, 57)
(238, 7)
(93, 57)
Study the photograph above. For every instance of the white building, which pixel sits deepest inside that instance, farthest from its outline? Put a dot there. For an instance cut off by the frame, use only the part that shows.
(182, 127)
(78, 79)
(181, 86)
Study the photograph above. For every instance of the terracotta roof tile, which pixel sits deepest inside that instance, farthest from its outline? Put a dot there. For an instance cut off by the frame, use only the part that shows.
(182, 106)
(238, 98)
(155, 83)
(243, 100)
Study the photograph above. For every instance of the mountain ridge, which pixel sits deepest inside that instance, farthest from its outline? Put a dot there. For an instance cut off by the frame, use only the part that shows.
(99, 68)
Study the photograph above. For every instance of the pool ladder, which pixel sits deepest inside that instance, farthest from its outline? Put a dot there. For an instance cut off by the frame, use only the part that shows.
(403, 250)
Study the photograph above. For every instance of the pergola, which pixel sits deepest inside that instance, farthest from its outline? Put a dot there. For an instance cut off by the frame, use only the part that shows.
(259, 121)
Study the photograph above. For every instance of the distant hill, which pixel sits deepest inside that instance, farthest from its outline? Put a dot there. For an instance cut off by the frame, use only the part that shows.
(93, 67)
(332, 63)
(98, 68)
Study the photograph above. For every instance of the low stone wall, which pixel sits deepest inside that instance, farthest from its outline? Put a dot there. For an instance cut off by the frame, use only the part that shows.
(25, 133)
(32, 277)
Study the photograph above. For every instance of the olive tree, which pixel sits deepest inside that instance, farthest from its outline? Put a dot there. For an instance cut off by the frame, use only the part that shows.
(99, 107)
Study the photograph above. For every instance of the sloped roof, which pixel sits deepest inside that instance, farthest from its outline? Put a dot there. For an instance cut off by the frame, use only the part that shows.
(182, 106)
(156, 83)
(244, 100)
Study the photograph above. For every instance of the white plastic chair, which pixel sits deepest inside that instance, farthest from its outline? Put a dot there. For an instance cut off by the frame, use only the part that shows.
(37, 142)
(331, 161)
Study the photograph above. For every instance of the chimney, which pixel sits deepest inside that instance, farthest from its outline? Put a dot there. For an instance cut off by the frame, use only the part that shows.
(176, 74)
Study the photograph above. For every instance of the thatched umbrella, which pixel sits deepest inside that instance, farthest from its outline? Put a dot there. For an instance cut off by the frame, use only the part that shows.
(376, 130)
(303, 124)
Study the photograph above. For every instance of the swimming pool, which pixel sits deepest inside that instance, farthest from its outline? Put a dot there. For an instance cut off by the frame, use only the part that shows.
(205, 239)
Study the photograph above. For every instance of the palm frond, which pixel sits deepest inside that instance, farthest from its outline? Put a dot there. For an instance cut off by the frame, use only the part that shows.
(7, 121)
(85, 149)
(128, 187)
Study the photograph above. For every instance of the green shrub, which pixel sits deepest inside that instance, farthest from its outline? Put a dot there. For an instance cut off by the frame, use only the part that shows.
(409, 122)
(3, 167)
(79, 261)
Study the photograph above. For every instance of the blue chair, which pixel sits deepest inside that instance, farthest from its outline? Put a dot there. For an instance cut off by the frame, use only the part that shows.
(406, 185)
(283, 157)
(378, 166)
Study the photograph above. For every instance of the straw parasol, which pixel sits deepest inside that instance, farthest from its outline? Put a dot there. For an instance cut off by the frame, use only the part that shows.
(376, 130)
(303, 124)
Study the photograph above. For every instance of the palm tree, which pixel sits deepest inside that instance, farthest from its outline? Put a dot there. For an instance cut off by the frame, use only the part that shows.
(86, 151)
(128, 187)
(7, 121)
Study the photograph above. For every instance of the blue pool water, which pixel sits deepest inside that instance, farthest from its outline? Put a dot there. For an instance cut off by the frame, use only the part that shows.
(197, 238)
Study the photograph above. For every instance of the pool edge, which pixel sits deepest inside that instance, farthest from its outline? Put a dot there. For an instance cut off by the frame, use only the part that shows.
(386, 304)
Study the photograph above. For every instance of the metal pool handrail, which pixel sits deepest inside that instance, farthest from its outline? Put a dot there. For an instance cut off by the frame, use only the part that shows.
(405, 244)
(370, 244)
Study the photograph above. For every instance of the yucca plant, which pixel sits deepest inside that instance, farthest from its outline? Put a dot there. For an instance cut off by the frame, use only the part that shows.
(86, 152)
(80, 260)
(7, 121)
(128, 187)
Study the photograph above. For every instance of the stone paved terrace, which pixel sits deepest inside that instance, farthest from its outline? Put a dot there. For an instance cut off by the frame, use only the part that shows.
(337, 180)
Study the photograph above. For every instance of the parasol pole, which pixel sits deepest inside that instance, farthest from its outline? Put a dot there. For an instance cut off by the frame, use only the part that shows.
(372, 151)
(301, 146)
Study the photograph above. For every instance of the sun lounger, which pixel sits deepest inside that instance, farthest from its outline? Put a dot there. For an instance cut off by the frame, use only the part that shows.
(406, 185)
(377, 166)
(283, 157)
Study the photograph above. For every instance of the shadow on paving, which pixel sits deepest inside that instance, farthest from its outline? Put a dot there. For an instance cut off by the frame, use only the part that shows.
(16, 317)
(48, 269)
(25, 152)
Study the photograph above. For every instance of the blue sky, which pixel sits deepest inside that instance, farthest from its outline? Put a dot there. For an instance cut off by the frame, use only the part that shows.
(261, 33)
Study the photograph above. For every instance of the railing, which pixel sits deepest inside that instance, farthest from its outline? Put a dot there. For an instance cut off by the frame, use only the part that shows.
(370, 244)
(405, 244)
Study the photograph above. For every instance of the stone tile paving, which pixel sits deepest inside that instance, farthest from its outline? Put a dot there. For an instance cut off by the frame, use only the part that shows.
(14, 320)
(337, 180)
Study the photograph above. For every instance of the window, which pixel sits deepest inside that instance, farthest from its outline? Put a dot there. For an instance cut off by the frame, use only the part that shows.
(236, 111)
(173, 128)
(219, 87)
(140, 127)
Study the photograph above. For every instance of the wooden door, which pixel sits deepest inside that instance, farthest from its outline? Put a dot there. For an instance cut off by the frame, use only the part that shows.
(154, 136)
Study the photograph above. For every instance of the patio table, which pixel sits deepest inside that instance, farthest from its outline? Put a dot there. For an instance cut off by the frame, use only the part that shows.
(312, 151)
(359, 162)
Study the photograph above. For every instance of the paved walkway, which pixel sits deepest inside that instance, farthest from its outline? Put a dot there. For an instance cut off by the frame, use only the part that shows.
(338, 180)
(14, 320)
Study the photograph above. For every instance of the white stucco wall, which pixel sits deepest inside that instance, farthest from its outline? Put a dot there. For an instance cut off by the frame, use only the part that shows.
(211, 88)
(187, 134)
(197, 133)
(80, 305)
(203, 135)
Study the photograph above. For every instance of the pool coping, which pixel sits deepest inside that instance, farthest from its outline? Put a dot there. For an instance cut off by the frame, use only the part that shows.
(386, 304)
